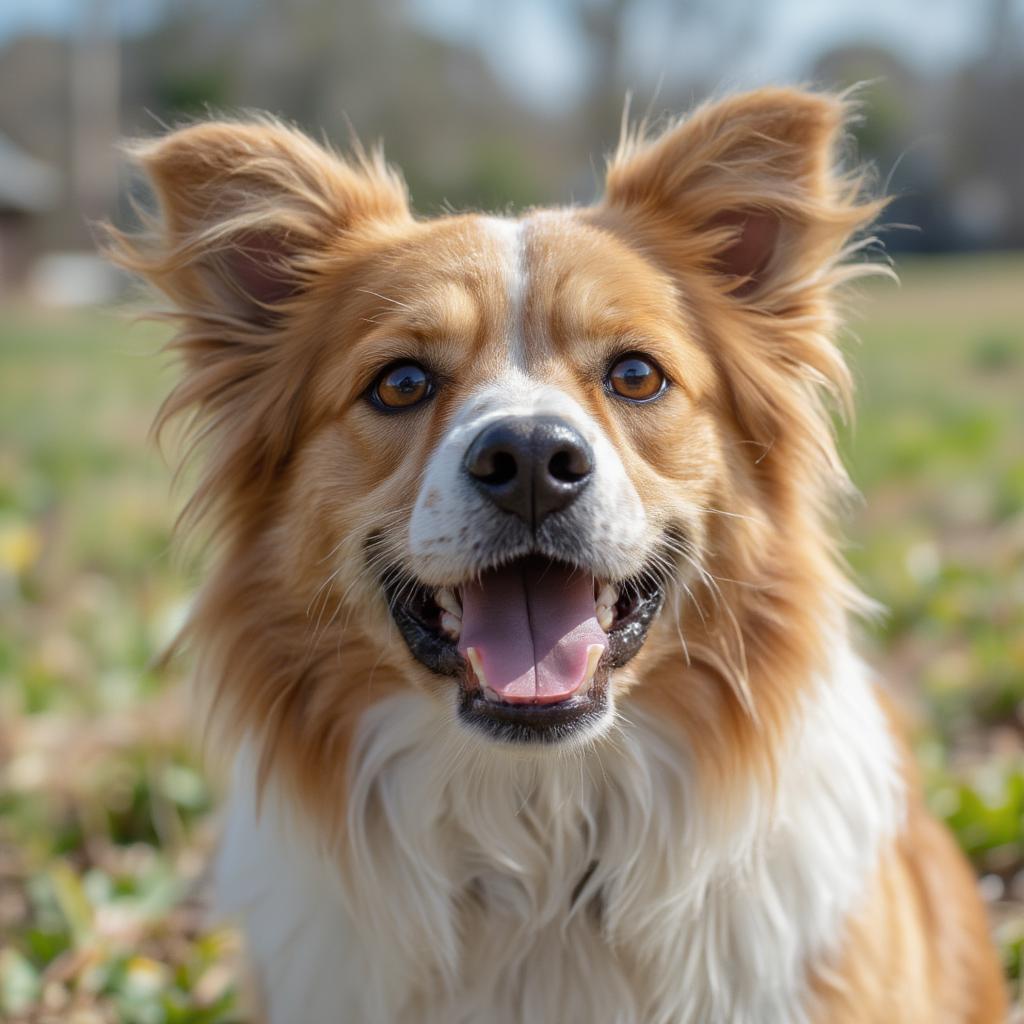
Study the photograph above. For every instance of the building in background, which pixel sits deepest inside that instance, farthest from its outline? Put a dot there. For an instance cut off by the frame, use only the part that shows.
(29, 189)
(509, 104)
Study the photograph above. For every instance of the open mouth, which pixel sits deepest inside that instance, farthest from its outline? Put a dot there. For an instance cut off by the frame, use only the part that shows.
(532, 643)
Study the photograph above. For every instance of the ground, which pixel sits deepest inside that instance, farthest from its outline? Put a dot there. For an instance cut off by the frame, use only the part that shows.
(106, 818)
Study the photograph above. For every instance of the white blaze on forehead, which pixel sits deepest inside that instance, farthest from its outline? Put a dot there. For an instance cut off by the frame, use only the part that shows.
(509, 238)
(451, 516)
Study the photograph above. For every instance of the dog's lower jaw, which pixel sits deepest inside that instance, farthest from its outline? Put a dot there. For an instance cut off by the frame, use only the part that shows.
(503, 893)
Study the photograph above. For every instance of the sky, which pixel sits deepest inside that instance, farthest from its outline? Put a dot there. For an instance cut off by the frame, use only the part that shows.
(537, 54)
(59, 16)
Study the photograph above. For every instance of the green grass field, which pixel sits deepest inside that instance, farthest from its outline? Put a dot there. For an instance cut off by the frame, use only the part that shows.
(105, 817)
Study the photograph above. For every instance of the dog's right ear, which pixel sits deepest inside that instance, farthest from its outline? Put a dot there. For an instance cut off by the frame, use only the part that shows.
(248, 216)
(244, 210)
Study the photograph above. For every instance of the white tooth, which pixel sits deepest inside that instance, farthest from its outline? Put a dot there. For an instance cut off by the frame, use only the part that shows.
(608, 596)
(605, 617)
(594, 652)
(477, 664)
(446, 598)
(451, 624)
(478, 671)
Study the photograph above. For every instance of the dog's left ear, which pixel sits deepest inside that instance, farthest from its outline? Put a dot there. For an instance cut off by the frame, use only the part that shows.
(746, 188)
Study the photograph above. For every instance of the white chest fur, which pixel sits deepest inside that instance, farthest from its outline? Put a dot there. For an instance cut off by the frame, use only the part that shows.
(485, 889)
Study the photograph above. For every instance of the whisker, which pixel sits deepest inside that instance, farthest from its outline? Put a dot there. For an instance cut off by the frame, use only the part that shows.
(384, 298)
(723, 512)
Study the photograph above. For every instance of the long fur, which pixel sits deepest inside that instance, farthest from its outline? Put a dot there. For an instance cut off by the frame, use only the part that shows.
(746, 842)
(604, 890)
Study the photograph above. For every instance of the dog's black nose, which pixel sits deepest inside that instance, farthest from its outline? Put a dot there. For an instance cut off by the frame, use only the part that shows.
(530, 466)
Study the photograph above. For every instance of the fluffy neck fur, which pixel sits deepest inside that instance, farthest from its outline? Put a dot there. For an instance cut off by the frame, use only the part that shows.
(600, 886)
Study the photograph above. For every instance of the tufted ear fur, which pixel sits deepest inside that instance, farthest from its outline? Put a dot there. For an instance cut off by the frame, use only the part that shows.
(743, 204)
(746, 187)
(243, 207)
(248, 215)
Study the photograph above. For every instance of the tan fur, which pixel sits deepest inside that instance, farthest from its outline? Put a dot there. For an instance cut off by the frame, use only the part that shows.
(295, 276)
(919, 949)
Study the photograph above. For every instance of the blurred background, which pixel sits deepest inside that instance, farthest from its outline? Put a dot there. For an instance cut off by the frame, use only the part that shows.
(106, 817)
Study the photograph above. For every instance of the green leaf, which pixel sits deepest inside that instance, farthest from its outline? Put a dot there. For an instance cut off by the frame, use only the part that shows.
(73, 902)
(19, 982)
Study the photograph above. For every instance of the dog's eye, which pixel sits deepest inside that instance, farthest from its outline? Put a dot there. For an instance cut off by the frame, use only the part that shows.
(402, 386)
(637, 378)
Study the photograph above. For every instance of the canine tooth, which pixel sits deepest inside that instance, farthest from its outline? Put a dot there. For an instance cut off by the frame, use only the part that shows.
(477, 665)
(447, 600)
(594, 652)
(605, 617)
(451, 624)
(608, 596)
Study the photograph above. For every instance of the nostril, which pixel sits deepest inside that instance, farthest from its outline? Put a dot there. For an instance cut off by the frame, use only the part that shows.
(570, 465)
(500, 469)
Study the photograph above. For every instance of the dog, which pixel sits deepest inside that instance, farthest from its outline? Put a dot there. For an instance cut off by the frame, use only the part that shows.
(525, 630)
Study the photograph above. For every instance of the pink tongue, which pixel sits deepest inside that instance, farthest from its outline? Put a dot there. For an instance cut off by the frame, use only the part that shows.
(531, 625)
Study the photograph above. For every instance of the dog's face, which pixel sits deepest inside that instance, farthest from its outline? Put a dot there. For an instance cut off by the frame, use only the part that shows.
(512, 459)
(514, 456)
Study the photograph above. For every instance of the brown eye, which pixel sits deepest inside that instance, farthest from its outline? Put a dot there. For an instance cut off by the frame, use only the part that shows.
(402, 386)
(636, 378)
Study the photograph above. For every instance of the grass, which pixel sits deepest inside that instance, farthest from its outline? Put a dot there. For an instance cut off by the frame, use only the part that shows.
(105, 816)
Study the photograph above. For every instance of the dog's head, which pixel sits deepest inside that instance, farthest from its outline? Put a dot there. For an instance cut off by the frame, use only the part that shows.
(511, 461)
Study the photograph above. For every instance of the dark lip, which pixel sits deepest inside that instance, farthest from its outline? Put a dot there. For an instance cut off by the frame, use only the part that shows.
(536, 723)
(519, 723)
